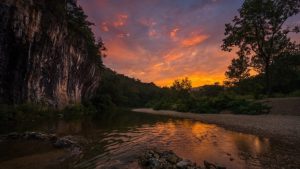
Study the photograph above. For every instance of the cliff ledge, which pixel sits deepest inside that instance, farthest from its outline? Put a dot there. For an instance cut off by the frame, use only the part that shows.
(45, 57)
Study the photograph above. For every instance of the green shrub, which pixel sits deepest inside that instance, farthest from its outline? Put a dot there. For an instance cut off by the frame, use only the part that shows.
(182, 107)
(163, 105)
(33, 112)
(240, 105)
(251, 108)
(295, 93)
(74, 112)
(25, 112)
(204, 107)
(212, 105)
(100, 104)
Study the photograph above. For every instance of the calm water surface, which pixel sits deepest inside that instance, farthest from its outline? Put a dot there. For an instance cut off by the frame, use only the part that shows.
(118, 138)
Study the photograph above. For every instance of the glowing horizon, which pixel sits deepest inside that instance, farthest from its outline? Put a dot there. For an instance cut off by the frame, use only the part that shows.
(160, 41)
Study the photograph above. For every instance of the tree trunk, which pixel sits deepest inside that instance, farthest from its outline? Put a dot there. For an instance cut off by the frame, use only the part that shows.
(267, 79)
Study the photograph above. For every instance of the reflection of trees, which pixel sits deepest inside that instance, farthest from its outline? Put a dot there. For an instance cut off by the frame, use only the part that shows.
(69, 127)
(120, 120)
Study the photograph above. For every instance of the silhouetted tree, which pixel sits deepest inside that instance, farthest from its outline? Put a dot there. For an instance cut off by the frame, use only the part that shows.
(239, 69)
(182, 87)
(286, 73)
(78, 24)
(184, 84)
(210, 90)
(259, 34)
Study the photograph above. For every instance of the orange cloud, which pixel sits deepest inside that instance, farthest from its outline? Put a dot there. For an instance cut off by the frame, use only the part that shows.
(152, 33)
(123, 35)
(119, 51)
(173, 33)
(147, 22)
(194, 40)
(121, 20)
(172, 56)
(104, 27)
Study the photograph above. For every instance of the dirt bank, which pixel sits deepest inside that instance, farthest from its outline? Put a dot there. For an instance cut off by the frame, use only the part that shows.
(284, 106)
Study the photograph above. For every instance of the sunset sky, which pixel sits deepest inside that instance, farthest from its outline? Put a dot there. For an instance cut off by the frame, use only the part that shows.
(162, 40)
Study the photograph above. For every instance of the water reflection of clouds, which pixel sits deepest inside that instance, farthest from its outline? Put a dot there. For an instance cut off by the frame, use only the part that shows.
(198, 142)
(189, 139)
(251, 144)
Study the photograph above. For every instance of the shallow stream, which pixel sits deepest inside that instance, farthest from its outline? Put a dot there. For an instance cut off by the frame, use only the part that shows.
(118, 138)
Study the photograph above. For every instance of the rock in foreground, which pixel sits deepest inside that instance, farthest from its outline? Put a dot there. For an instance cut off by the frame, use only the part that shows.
(169, 160)
(72, 143)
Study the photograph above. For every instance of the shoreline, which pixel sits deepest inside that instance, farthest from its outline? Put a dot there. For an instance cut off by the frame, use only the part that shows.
(284, 128)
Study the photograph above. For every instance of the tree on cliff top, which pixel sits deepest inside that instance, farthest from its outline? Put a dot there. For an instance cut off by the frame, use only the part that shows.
(259, 35)
(78, 23)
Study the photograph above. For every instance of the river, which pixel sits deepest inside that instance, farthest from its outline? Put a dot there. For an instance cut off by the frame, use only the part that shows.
(116, 139)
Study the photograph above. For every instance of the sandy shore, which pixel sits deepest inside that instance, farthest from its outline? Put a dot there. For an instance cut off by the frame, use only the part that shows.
(283, 127)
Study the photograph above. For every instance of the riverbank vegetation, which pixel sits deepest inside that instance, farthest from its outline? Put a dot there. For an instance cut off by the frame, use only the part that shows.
(29, 112)
(208, 99)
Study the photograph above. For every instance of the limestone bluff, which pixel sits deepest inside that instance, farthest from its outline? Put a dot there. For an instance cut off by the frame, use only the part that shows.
(43, 57)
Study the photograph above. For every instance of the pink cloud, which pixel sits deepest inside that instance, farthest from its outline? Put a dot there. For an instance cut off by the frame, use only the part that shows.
(195, 40)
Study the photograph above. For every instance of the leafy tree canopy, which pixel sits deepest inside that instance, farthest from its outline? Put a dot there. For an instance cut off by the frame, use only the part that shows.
(184, 84)
(259, 35)
(239, 69)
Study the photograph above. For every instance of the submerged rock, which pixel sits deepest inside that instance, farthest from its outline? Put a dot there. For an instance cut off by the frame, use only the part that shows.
(209, 165)
(169, 160)
(165, 160)
(35, 135)
(72, 145)
(71, 142)
(68, 141)
(30, 136)
(13, 135)
(184, 163)
(63, 143)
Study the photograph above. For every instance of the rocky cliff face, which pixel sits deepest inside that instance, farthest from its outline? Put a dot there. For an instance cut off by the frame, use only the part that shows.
(42, 58)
